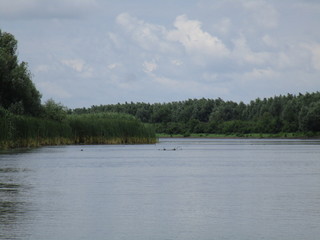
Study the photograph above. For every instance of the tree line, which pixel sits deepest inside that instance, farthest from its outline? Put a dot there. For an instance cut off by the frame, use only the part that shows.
(25, 121)
(285, 113)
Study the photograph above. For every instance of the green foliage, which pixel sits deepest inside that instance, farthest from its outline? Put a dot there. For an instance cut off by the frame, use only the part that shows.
(312, 118)
(17, 92)
(26, 131)
(25, 122)
(100, 128)
(288, 113)
(107, 126)
(54, 111)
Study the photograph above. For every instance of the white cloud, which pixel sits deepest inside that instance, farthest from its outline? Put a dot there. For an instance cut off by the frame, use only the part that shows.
(176, 62)
(149, 67)
(196, 41)
(297, 56)
(269, 41)
(75, 64)
(79, 66)
(148, 36)
(113, 66)
(230, 49)
(243, 54)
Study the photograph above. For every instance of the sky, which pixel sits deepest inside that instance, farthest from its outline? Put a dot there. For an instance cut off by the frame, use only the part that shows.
(91, 52)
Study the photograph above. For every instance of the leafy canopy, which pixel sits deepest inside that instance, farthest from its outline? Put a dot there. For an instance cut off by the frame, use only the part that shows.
(17, 91)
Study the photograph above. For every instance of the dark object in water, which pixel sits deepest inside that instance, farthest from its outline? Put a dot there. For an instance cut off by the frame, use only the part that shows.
(170, 149)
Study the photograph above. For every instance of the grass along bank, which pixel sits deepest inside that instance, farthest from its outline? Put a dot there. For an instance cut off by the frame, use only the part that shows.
(19, 131)
(109, 128)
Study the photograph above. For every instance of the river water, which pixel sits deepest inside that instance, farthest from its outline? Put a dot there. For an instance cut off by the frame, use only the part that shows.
(199, 189)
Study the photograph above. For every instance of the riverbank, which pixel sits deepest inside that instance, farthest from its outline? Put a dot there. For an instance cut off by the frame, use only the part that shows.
(298, 135)
(33, 143)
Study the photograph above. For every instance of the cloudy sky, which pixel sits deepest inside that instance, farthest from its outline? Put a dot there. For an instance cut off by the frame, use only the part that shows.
(92, 52)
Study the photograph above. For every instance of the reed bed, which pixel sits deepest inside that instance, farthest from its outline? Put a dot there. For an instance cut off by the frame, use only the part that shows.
(107, 128)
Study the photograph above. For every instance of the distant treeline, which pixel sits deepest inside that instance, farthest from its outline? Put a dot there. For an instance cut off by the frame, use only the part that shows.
(25, 122)
(288, 113)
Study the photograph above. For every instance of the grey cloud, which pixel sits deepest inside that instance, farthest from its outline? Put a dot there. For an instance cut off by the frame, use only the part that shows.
(42, 9)
(144, 51)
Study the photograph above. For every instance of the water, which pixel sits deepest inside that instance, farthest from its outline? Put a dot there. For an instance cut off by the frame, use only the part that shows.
(177, 189)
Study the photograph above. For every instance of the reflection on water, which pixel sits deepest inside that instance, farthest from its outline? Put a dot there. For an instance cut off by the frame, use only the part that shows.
(176, 189)
(11, 206)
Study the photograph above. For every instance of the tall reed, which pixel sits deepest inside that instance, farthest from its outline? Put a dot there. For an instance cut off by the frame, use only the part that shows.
(105, 128)
(109, 128)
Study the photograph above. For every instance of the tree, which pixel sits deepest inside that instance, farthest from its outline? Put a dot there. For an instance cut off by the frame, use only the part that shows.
(267, 124)
(54, 111)
(161, 113)
(313, 117)
(290, 117)
(143, 113)
(225, 112)
(17, 91)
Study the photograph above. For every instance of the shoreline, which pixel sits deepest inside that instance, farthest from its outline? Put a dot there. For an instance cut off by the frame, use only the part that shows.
(301, 136)
(35, 143)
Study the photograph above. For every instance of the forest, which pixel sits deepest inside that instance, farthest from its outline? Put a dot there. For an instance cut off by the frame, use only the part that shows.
(26, 122)
(285, 114)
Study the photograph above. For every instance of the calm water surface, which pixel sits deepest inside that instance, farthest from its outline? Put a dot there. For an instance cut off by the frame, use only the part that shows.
(199, 189)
